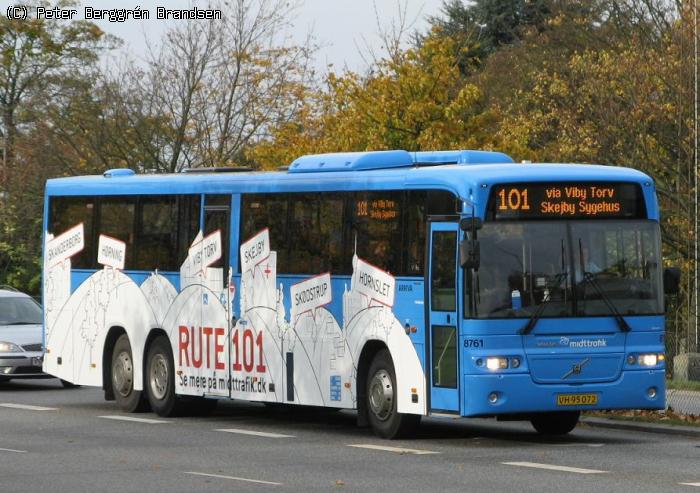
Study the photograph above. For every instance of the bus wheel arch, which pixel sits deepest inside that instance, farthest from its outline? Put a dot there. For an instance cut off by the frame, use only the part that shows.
(119, 369)
(377, 394)
(369, 350)
(112, 335)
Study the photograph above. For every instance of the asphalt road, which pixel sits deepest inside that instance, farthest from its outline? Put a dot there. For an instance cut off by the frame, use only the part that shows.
(59, 440)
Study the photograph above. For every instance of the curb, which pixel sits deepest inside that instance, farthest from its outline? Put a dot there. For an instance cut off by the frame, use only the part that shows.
(619, 424)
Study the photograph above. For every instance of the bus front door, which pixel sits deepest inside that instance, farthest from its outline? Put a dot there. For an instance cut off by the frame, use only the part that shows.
(442, 308)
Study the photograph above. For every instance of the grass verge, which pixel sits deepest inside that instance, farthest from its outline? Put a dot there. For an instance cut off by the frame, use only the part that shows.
(668, 417)
(683, 385)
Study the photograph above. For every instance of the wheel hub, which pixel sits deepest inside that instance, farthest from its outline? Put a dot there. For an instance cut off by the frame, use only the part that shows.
(123, 374)
(158, 377)
(381, 395)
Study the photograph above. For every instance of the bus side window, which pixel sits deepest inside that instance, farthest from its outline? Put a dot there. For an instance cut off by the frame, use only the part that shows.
(376, 226)
(188, 207)
(66, 212)
(156, 234)
(306, 251)
(217, 216)
(116, 217)
(414, 232)
(260, 211)
(316, 246)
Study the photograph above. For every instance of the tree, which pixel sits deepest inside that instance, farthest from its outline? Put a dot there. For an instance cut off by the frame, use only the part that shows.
(482, 27)
(414, 100)
(212, 89)
(39, 60)
(36, 55)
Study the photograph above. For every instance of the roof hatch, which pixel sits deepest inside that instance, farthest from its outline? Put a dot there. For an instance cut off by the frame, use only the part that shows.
(362, 161)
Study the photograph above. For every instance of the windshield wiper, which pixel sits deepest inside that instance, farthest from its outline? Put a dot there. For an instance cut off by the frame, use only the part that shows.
(621, 322)
(19, 323)
(540, 308)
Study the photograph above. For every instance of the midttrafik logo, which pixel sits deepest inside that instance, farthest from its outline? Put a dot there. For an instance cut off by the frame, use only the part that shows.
(583, 343)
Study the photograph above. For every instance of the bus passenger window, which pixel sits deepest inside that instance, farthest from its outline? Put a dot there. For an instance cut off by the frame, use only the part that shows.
(269, 211)
(306, 248)
(156, 234)
(377, 228)
(443, 276)
(116, 219)
(66, 212)
(188, 207)
(217, 216)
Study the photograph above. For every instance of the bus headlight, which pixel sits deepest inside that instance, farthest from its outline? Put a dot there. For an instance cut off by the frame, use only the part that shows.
(496, 363)
(651, 359)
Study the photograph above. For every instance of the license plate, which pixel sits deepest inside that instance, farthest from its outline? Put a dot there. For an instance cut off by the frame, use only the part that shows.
(577, 399)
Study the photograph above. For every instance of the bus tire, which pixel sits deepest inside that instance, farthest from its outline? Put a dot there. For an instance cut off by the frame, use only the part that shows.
(555, 423)
(386, 422)
(122, 375)
(160, 379)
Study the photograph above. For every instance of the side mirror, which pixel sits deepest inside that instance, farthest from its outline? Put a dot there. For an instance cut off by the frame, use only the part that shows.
(470, 224)
(672, 280)
(469, 254)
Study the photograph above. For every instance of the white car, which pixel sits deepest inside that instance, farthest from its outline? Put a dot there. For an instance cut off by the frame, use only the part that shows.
(21, 348)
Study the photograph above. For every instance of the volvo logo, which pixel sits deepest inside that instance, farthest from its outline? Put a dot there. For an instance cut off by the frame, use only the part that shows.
(576, 368)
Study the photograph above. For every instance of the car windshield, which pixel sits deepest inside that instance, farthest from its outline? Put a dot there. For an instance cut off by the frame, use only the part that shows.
(19, 311)
(571, 265)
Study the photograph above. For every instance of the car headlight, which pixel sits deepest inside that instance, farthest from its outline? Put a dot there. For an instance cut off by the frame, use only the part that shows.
(8, 347)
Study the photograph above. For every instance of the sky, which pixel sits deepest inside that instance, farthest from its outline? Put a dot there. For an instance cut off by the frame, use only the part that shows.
(345, 29)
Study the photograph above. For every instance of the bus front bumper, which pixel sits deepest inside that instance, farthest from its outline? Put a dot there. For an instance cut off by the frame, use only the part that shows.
(488, 395)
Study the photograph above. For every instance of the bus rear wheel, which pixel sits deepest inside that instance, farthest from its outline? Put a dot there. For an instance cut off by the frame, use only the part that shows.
(128, 399)
(160, 379)
(386, 422)
(556, 423)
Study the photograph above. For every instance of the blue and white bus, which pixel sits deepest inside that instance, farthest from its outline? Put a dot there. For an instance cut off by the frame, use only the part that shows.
(400, 284)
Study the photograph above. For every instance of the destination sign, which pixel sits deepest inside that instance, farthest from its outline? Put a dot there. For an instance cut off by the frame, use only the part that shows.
(381, 209)
(566, 201)
(255, 250)
(111, 252)
(373, 282)
(65, 245)
(311, 294)
(206, 252)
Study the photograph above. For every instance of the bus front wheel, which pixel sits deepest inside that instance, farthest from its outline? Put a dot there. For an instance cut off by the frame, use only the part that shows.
(381, 400)
(128, 399)
(556, 423)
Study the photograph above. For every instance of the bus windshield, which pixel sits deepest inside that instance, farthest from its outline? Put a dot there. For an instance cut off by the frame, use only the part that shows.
(571, 266)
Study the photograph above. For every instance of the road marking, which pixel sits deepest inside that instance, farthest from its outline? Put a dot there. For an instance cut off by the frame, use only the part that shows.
(396, 450)
(691, 484)
(552, 467)
(13, 450)
(135, 420)
(27, 407)
(220, 476)
(254, 433)
(592, 445)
